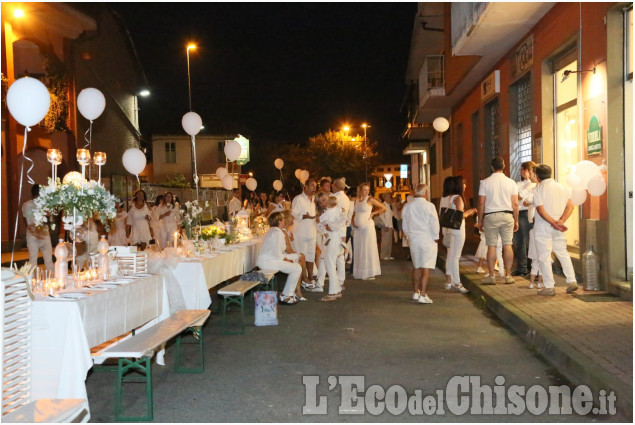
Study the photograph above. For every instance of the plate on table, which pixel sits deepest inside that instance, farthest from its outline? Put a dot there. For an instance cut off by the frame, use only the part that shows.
(73, 295)
(120, 281)
(104, 286)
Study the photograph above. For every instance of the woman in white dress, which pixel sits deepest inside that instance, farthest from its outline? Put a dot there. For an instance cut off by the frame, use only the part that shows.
(117, 234)
(139, 217)
(170, 218)
(156, 224)
(365, 253)
(276, 206)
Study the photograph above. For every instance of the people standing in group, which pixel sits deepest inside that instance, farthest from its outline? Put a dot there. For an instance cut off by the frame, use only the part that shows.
(532, 253)
(235, 205)
(553, 208)
(421, 226)
(387, 228)
(330, 222)
(272, 257)
(117, 234)
(37, 239)
(170, 217)
(156, 224)
(498, 215)
(321, 199)
(276, 205)
(366, 256)
(325, 185)
(264, 201)
(344, 204)
(454, 188)
(139, 217)
(351, 194)
(521, 237)
(303, 211)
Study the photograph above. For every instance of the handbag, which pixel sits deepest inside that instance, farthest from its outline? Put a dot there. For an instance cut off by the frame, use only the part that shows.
(451, 218)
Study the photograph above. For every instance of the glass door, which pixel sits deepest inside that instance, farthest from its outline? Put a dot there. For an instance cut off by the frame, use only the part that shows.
(567, 135)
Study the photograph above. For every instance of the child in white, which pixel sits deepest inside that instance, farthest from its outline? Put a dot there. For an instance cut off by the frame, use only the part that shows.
(554, 208)
(333, 218)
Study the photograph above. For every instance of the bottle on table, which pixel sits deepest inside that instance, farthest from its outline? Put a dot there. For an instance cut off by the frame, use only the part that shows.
(61, 263)
(104, 262)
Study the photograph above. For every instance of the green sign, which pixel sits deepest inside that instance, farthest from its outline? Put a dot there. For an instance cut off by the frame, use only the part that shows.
(244, 151)
(594, 137)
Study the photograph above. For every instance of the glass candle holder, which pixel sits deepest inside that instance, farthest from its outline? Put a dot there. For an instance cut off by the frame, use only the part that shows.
(83, 156)
(99, 158)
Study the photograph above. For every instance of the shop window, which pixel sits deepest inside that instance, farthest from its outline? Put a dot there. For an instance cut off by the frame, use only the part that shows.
(492, 135)
(446, 154)
(170, 152)
(519, 126)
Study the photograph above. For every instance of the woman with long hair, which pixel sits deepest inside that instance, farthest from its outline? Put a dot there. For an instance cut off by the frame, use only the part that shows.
(139, 217)
(365, 254)
(453, 189)
(170, 217)
(156, 224)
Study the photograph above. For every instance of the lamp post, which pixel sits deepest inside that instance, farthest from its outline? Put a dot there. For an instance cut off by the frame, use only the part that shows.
(365, 126)
(189, 84)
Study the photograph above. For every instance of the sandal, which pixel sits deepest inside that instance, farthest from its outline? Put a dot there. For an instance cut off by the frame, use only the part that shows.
(299, 298)
(329, 298)
(288, 300)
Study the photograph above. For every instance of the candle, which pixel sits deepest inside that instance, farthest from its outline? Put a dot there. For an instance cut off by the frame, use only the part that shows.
(176, 238)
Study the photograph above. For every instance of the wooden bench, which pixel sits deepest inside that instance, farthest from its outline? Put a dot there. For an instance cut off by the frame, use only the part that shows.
(234, 293)
(141, 348)
(271, 282)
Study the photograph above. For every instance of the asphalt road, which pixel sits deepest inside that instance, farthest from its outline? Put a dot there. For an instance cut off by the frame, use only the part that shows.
(375, 333)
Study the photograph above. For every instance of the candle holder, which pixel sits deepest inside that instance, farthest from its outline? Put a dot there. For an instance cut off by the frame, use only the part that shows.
(54, 156)
(99, 159)
(83, 158)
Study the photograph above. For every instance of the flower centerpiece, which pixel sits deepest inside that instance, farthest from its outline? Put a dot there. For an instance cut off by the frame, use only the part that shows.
(191, 216)
(78, 200)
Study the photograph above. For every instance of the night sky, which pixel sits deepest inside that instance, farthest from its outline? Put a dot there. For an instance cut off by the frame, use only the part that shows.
(275, 71)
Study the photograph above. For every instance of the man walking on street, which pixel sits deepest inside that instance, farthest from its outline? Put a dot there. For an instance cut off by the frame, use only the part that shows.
(521, 237)
(498, 215)
(420, 224)
(552, 200)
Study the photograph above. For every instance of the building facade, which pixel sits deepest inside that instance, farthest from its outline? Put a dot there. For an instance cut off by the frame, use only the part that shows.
(393, 178)
(548, 82)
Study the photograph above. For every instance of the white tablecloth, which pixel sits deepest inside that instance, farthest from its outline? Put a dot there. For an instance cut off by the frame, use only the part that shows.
(64, 331)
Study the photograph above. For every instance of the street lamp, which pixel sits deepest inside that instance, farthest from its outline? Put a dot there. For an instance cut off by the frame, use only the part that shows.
(365, 126)
(189, 84)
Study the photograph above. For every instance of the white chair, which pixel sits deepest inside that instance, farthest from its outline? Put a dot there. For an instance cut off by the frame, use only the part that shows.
(15, 347)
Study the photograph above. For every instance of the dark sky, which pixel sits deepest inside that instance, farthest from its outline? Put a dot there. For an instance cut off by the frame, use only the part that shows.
(274, 71)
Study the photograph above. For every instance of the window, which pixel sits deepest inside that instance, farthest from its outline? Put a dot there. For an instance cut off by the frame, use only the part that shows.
(520, 127)
(446, 154)
(492, 136)
(381, 170)
(170, 152)
(221, 147)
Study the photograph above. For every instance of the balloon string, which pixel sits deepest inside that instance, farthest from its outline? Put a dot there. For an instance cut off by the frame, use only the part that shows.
(17, 215)
(26, 158)
(88, 136)
(195, 166)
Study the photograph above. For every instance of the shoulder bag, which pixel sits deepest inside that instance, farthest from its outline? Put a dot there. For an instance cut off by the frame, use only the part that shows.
(451, 218)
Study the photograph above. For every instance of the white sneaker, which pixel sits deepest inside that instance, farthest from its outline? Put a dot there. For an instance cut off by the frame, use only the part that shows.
(459, 287)
(424, 299)
(416, 296)
(531, 285)
(448, 286)
(480, 270)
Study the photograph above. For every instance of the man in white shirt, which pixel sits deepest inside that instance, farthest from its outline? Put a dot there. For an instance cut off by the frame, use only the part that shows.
(498, 215)
(37, 239)
(387, 230)
(521, 237)
(304, 228)
(338, 187)
(234, 205)
(420, 224)
(552, 200)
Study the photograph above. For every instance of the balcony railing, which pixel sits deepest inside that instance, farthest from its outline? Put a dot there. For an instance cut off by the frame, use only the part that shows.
(431, 78)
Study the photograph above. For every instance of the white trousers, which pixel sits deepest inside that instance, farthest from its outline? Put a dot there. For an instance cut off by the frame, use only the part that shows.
(293, 270)
(457, 240)
(550, 240)
(331, 256)
(35, 244)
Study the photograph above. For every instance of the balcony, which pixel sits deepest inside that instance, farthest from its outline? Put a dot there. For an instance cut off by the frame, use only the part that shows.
(431, 79)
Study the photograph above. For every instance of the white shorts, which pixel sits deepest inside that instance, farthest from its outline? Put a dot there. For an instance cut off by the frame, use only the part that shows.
(424, 254)
(306, 247)
(293, 256)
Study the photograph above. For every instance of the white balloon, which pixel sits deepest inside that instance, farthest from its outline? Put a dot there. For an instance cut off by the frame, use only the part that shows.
(192, 123)
(228, 182)
(28, 101)
(221, 172)
(297, 173)
(277, 185)
(441, 124)
(232, 150)
(304, 175)
(578, 196)
(251, 184)
(91, 103)
(596, 185)
(585, 170)
(134, 161)
(574, 181)
(278, 163)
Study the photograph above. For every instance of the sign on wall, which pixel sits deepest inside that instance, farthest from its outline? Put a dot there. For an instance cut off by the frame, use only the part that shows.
(403, 171)
(491, 85)
(594, 137)
(244, 150)
(523, 57)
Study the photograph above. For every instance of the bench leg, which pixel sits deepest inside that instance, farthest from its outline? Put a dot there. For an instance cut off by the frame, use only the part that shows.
(125, 366)
(227, 301)
(198, 334)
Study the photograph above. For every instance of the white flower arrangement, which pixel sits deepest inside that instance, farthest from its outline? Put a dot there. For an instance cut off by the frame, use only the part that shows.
(193, 213)
(75, 200)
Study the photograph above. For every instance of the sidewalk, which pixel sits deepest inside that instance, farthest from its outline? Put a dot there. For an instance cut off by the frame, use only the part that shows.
(588, 339)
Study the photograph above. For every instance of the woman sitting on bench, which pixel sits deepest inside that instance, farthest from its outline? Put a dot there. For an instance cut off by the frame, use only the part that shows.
(272, 257)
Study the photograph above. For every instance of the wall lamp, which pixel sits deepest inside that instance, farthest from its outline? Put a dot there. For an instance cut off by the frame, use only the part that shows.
(567, 72)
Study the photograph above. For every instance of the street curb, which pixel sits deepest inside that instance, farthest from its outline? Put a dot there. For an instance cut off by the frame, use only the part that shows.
(575, 366)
